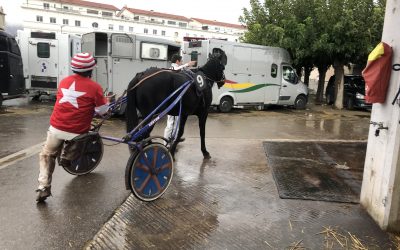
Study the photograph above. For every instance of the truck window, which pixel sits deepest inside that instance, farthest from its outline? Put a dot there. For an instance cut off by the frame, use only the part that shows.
(274, 70)
(288, 74)
(194, 56)
(43, 50)
(154, 51)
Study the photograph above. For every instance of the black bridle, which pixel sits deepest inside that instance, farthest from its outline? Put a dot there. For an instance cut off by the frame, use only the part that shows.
(214, 57)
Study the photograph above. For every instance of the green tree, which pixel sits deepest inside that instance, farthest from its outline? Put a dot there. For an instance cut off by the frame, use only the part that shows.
(317, 33)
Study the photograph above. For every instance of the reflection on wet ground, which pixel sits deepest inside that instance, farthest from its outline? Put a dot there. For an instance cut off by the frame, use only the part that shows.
(227, 202)
(230, 202)
(23, 126)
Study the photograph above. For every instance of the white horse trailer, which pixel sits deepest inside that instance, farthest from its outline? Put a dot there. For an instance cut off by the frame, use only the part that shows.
(46, 57)
(255, 75)
(121, 56)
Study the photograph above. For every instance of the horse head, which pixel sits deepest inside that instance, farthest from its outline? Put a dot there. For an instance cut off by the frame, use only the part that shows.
(215, 66)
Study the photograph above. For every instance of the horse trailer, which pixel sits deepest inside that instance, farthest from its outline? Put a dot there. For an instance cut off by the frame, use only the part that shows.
(255, 75)
(121, 56)
(12, 83)
(46, 57)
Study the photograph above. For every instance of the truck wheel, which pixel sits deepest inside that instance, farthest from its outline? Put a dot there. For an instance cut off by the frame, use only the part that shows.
(226, 104)
(300, 102)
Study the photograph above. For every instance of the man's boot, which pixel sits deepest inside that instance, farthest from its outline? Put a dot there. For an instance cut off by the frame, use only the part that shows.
(43, 194)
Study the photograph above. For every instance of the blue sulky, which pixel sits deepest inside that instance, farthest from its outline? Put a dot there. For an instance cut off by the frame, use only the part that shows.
(150, 166)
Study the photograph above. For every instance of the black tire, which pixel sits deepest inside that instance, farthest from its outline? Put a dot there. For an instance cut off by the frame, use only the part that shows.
(300, 102)
(36, 98)
(88, 160)
(226, 104)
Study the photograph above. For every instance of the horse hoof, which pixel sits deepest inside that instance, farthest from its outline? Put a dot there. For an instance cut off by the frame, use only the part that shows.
(207, 156)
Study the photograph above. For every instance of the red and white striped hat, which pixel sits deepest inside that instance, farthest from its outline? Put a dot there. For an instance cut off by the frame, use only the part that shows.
(82, 62)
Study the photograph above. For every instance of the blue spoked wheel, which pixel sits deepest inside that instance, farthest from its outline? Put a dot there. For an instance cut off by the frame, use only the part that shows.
(150, 172)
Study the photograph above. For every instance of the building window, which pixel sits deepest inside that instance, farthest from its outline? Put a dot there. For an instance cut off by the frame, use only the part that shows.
(53, 20)
(171, 22)
(95, 12)
(121, 28)
(65, 7)
(163, 32)
(183, 25)
(43, 50)
(46, 6)
(130, 29)
(65, 21)
(154, 32)
(146, 30)
(136, 18)
(39, 19)
(106, 14)
(77, 23)
(95, 25)
(205, 27)
(110, 27)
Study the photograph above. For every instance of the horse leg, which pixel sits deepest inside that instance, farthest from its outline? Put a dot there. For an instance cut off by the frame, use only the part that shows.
(180, 133)
(202, 126)
(142, 137)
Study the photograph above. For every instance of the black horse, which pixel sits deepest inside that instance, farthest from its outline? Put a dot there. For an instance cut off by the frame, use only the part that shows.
(151, 92)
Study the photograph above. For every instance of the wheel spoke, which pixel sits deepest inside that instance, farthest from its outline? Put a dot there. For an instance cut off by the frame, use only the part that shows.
(85, 163)
(166, 165)
(145, 159)
(155, 154)
(143, 167)
(144, 184)
(159, 188)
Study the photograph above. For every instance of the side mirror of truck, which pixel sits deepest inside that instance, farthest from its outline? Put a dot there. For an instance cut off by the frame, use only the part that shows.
(296, 79)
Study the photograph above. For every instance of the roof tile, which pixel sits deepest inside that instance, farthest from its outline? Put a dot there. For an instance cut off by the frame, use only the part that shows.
(88, 4)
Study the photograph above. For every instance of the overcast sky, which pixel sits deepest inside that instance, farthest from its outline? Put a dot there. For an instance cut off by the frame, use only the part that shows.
(220, 10)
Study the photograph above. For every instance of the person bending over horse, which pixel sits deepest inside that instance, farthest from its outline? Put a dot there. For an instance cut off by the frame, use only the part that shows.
(175, 65)
(78, 98)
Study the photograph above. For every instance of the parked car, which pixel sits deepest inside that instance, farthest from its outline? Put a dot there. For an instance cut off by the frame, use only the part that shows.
(353, 93)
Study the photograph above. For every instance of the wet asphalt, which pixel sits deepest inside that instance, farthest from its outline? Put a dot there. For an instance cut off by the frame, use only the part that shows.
(227, 202)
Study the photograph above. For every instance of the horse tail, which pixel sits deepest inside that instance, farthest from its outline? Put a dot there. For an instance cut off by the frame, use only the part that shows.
(131, 112)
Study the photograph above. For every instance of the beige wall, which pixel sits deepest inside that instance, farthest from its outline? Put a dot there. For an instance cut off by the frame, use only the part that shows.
(2, 19)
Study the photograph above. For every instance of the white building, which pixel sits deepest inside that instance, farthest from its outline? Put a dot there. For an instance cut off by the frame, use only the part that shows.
(78, 17)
